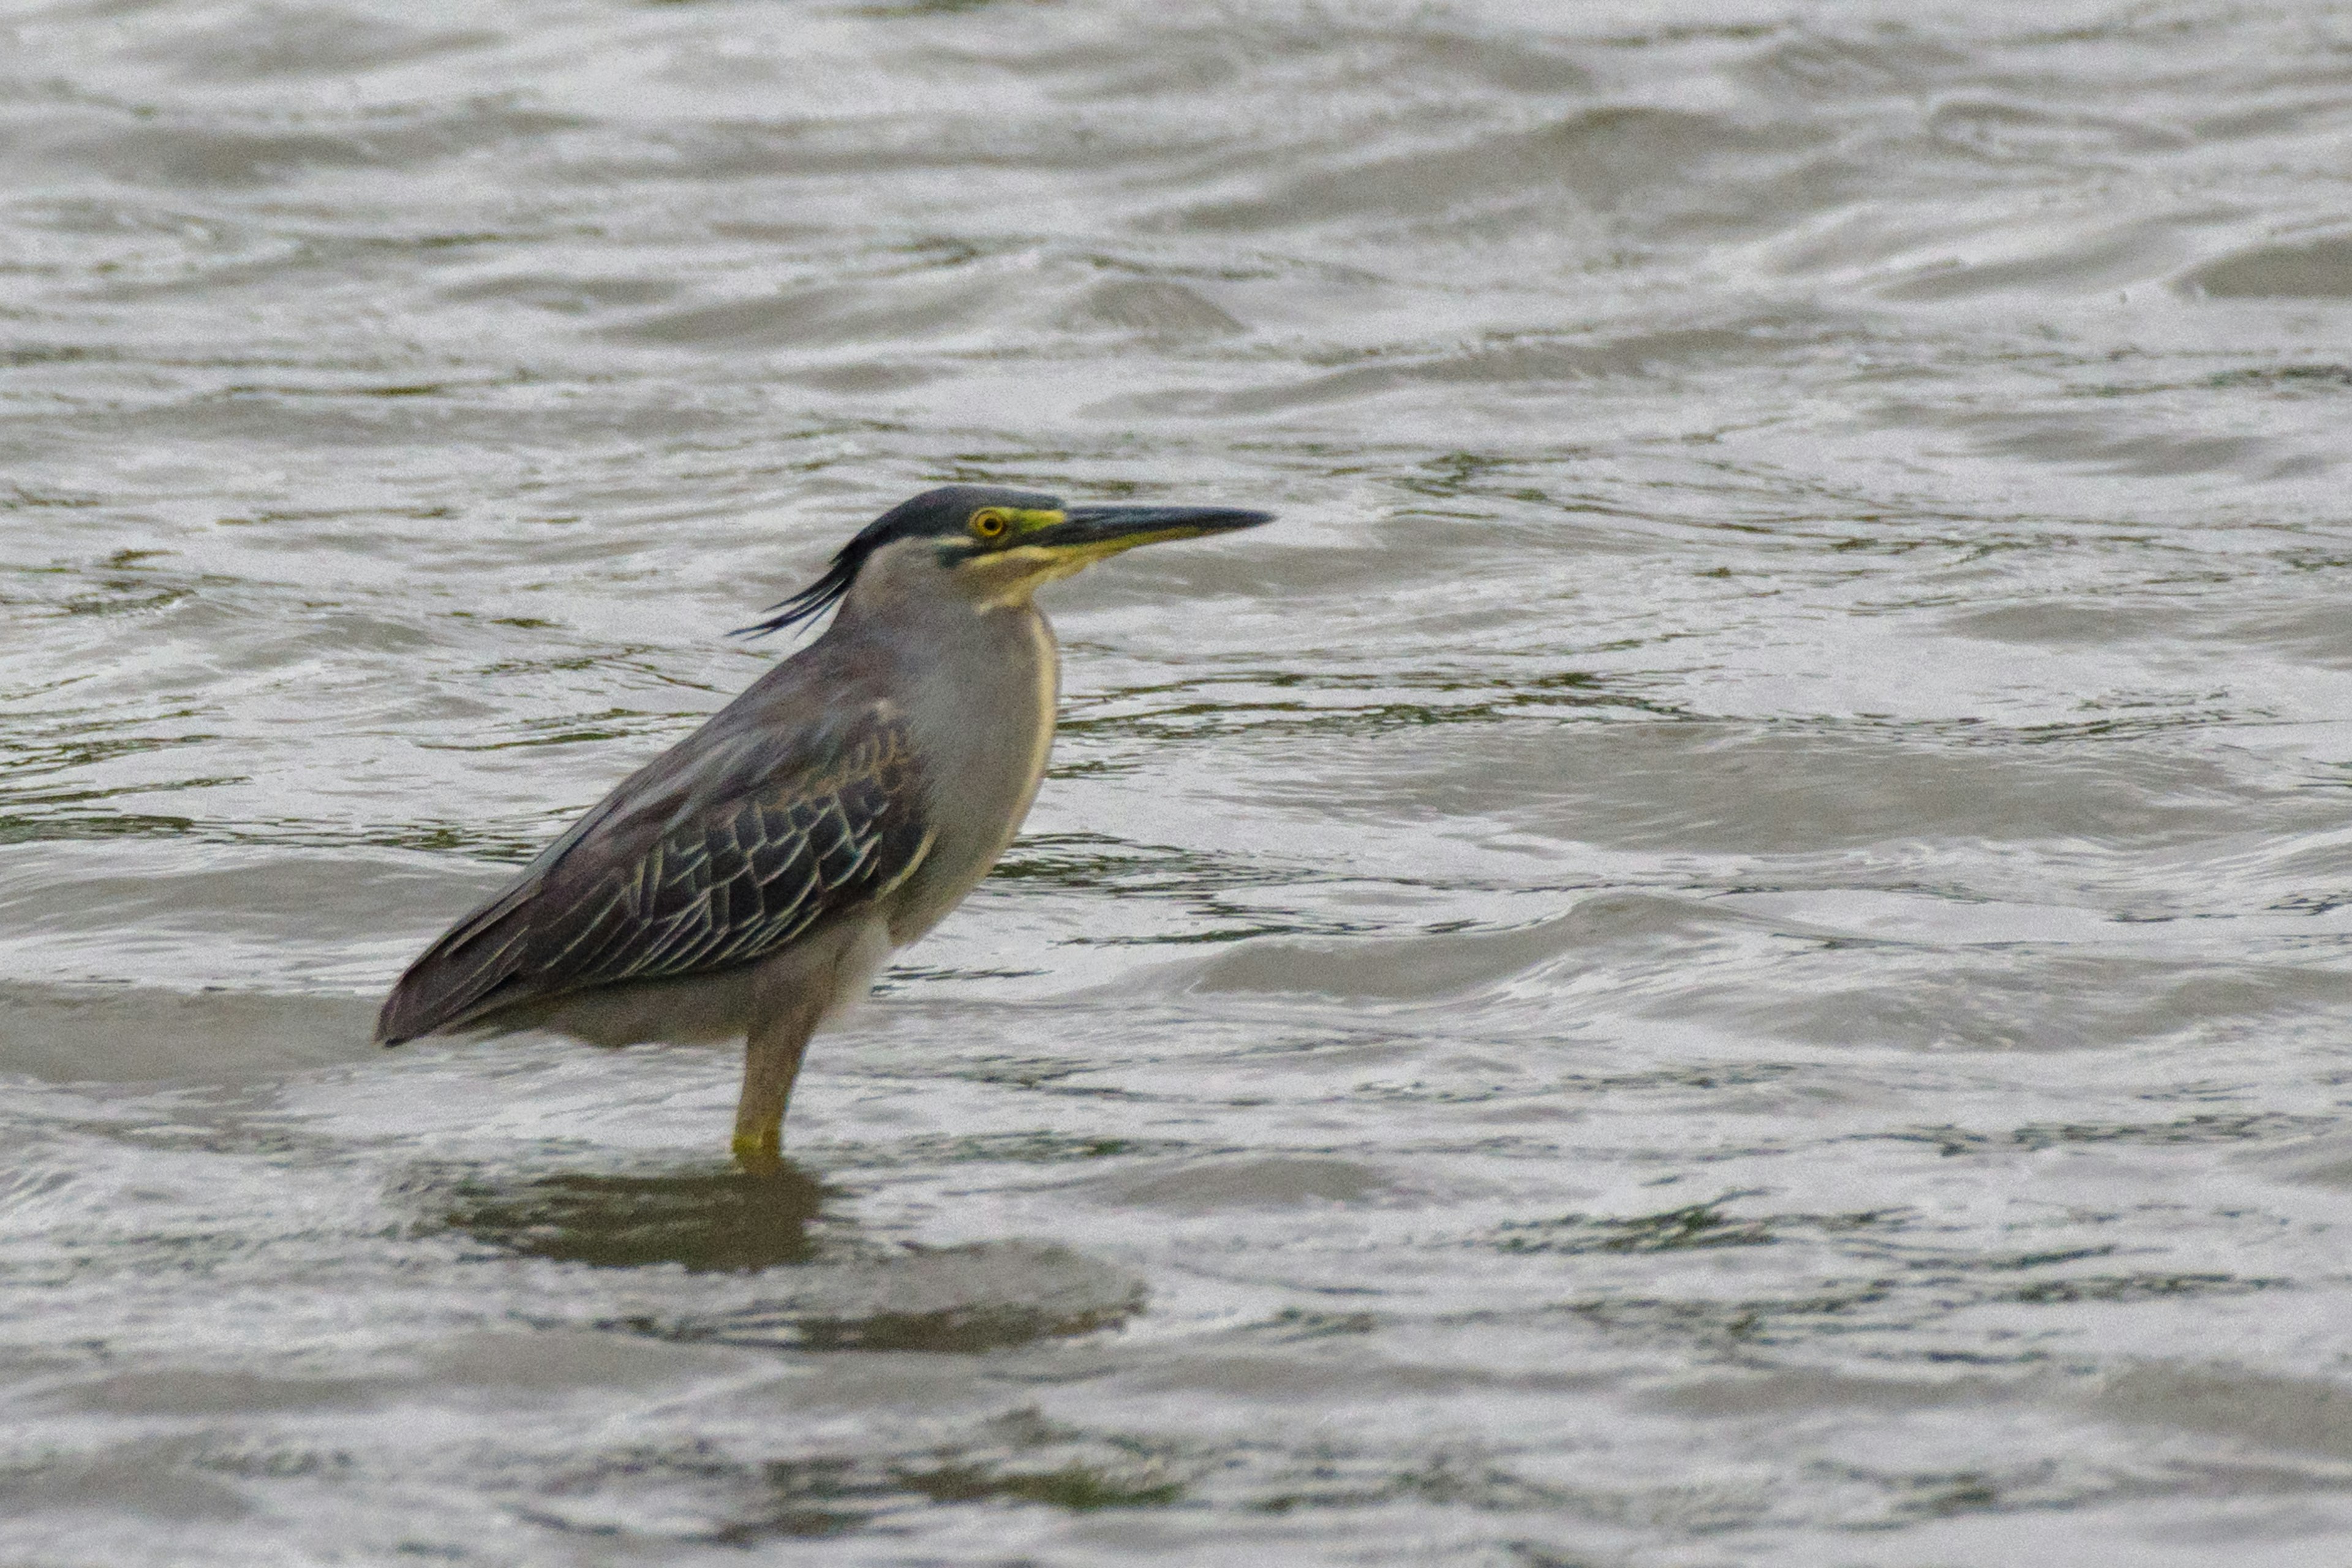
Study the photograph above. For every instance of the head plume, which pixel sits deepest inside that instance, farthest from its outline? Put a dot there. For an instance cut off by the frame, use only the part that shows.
(935, 513)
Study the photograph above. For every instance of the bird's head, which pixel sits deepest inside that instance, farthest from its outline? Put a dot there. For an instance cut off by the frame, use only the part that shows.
(995, 547)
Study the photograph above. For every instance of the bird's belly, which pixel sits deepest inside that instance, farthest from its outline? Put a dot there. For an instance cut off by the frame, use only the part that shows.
(839, 961)
(940, 887)
(692, 1010)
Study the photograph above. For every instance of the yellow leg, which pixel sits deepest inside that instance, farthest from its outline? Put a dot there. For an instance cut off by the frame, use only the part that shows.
(761, 1155)
(772, 1059)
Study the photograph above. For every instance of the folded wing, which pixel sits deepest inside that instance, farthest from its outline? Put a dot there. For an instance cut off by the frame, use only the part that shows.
(718, 854)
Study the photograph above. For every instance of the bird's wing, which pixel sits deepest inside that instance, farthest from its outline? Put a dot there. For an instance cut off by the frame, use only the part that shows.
(715, 855)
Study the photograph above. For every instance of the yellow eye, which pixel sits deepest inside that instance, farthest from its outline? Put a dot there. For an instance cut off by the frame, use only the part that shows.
(987, 524)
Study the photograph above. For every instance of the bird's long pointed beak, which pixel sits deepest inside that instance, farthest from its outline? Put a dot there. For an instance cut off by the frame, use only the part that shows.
(1108, 530)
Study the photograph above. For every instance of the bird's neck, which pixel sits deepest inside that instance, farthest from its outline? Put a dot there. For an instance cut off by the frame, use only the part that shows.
(977, 688)
(979, 671)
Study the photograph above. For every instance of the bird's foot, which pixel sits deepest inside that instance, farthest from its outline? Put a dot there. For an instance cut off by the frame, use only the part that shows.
(761, 1154)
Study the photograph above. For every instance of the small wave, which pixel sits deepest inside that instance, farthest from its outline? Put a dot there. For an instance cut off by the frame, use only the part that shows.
(124, 1034)
(895, 312)
(209, 153)
(2305, 269)
(1601, 931)
(1605, 158)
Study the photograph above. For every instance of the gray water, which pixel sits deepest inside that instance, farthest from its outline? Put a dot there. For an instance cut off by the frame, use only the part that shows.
(1728, 946)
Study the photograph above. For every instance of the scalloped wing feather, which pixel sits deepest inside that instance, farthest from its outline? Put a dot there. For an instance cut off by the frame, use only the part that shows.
(744, 837)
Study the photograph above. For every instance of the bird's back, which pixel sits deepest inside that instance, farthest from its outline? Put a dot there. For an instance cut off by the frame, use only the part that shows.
(800, 803)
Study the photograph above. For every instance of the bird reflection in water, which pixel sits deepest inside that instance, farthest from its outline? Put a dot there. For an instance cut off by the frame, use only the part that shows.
(838, 1293)
(705, 1220)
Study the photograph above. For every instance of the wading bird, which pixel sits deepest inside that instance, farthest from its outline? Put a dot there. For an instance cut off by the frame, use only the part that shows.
(750, 882)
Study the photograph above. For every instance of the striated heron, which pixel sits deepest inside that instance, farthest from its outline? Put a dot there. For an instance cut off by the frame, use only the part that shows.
(750, 882)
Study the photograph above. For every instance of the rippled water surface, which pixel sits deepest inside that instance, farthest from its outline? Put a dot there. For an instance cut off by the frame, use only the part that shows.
(1728, 946)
